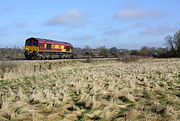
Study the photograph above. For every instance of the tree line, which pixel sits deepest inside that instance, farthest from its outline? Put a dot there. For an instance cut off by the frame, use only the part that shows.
(172, 49)
(11, 53)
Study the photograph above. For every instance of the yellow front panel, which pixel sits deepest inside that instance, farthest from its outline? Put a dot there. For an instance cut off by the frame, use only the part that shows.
(31, 49)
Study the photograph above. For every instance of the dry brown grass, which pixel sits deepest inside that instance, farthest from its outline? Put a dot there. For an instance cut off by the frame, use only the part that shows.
(107, 91)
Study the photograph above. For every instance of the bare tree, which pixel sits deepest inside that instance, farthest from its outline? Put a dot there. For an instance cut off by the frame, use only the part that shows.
(103, 51)
(114, 51)
(176, 39)
(170, 44)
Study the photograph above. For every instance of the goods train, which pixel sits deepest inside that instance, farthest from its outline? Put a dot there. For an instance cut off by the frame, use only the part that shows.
(37, 48)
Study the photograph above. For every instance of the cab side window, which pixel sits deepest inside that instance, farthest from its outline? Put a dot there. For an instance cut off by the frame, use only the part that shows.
(28, 43)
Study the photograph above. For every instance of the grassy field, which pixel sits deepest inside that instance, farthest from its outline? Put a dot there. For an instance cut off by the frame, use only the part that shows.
(146, 90)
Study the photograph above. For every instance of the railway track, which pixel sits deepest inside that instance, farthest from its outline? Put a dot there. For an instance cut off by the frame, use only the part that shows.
(56, 60)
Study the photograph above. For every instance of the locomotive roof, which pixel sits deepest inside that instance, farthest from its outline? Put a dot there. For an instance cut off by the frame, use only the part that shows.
(48, 40)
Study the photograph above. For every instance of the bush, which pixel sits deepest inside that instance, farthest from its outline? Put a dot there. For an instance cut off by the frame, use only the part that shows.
(88, 59)
(127, 59)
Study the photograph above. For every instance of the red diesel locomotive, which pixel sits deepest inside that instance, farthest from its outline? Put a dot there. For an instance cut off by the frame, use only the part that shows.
(37, 48)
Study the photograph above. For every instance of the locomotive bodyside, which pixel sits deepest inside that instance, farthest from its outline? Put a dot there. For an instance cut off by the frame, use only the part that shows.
(36, 48)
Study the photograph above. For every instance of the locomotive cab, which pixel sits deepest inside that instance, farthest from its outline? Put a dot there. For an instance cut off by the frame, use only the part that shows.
(31, 48)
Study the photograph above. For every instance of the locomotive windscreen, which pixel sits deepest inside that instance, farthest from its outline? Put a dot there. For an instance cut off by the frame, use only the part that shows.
(31, 42)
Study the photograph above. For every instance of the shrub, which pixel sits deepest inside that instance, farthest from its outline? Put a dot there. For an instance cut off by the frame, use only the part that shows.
(128, 58)
(88, 59)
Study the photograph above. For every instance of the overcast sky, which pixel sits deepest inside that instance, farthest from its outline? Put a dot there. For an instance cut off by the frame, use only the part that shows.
(121, 23)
